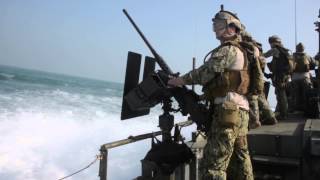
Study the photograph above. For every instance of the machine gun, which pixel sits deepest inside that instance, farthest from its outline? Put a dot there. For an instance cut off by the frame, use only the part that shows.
(139, 98)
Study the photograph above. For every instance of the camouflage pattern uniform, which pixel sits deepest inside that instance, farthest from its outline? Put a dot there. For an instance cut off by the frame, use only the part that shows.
(254, 121)
(260, 111)
(266, 114)
(254, 116)
(280, 74)
(301, 78)
(225, 142)
(259, 106)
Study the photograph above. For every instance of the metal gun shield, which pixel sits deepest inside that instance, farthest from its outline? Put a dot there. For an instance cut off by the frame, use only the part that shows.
(131, 82)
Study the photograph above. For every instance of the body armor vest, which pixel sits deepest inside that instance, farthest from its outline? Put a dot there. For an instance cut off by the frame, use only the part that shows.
(229, 80)
(280, 65)
(301, 63)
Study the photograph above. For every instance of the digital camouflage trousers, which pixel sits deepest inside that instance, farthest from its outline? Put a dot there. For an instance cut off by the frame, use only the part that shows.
(265, 111)
(254, 118)
(260, 110)
(226, 153)
(280, 85)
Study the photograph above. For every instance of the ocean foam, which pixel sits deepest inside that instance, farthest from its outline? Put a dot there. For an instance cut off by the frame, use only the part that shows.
(49, 131)
(36, 145)
(54, 136)
(5, 76)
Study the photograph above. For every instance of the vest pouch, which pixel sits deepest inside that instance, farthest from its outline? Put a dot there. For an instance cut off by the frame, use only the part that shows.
(229, 114)
(218, 87)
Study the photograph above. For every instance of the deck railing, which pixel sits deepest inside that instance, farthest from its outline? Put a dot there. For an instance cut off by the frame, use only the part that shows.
(103, 168)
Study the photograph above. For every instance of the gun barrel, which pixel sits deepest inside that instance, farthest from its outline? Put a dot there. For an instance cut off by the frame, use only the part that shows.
(158, 58)
(188, 100)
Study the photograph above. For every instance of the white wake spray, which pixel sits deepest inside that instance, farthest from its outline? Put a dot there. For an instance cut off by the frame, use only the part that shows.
(51, 133)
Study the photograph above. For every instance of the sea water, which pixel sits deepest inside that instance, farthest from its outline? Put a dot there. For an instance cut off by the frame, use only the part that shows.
(52, 125)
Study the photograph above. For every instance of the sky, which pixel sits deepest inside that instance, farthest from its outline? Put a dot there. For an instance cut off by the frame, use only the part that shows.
(91, 38)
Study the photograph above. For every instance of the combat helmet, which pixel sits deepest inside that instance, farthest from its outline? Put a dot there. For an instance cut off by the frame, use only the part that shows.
(229, 17)
(274, 39)
(299, 47)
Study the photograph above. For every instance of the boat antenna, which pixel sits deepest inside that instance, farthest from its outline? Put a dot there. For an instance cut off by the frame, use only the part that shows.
(295, 22)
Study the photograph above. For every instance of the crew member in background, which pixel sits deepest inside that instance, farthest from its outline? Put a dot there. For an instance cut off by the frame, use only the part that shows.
(267, 116)
(280, 68)
(301, 78)
(260, 110)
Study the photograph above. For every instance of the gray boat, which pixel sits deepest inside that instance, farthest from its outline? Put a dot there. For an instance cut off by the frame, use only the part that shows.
(288, 150)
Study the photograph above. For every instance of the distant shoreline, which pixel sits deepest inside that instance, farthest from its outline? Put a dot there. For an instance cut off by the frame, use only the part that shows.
(60, 74)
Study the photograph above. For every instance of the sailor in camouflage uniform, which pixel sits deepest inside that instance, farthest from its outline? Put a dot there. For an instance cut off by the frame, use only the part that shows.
(262, 110)
(301, 77)
(267, 116)
(224, 77)
(280, 68)
(254, 121)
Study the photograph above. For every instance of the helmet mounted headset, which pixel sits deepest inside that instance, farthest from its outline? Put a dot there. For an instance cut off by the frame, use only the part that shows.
(230, 18)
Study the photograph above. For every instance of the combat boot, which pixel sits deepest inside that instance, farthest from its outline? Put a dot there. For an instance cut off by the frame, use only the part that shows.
(254, 124)
(270, 121)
